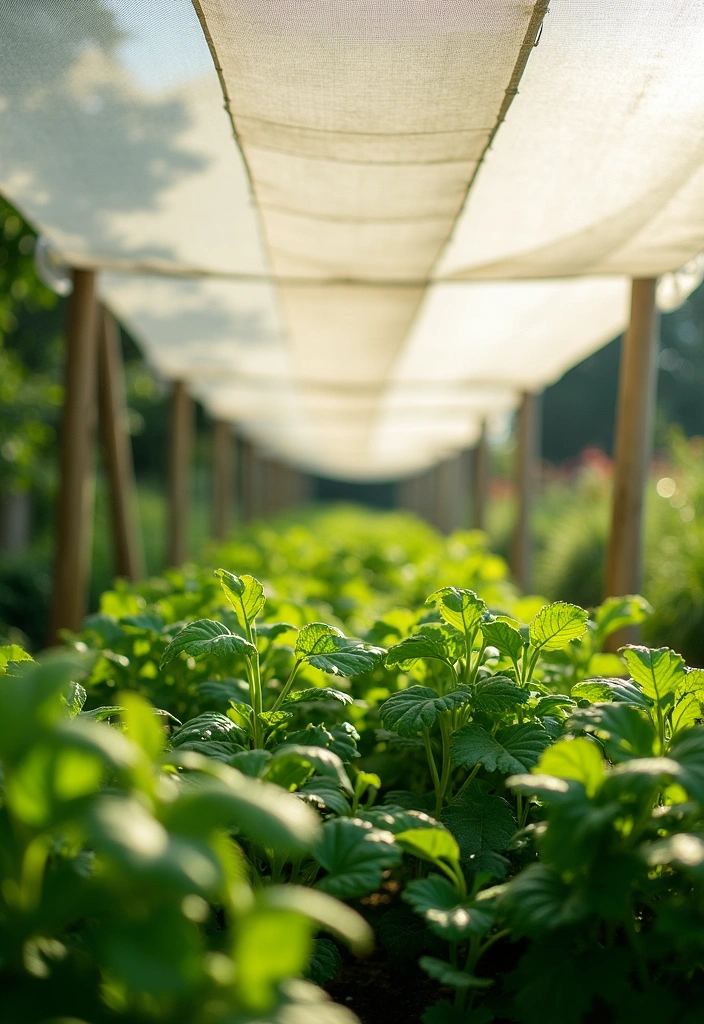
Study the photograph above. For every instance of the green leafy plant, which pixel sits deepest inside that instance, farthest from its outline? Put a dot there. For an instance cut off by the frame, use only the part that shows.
(483, 719)
(126, 873)
(413, 759)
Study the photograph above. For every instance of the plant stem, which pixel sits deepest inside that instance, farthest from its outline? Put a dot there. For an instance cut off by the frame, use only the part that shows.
(527, 676)
(446, 764)
(287, 686)
(661, 725)
(470, 778)
(477, 663)
(431, 763)
(255, 696)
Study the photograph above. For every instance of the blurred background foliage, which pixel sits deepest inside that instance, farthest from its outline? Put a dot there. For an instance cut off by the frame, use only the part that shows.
(571, 520)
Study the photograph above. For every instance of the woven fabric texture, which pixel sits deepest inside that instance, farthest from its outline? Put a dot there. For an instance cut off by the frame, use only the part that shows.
(359, 227)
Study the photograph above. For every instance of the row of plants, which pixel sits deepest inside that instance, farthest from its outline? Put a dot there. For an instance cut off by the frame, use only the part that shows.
(506, 821)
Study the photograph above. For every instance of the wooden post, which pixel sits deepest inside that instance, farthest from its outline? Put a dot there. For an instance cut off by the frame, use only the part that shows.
(632, 449)
(76, 460)
(117, 450)
(527, 466)
(223, 478)
(179, 472)
(247, 474)
(480, 480)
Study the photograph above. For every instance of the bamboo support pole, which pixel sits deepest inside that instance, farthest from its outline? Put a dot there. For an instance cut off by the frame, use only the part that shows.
(76, 460)
(633, 444)
(480, 480)
(527, 474)
(117, 450)
(179, 472)
(224, 469)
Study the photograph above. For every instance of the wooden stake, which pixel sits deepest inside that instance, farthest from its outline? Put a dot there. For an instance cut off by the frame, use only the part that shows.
(247, 475)
(117, 450)
(634, 429)
(179, 472)
(76, 460)
(527, 469)
(223, 478)
(480, 480)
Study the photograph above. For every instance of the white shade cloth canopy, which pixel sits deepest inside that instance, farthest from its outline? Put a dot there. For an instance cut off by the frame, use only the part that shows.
(358, 228)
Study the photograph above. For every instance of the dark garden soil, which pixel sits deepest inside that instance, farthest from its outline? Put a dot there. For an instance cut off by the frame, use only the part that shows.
(384, 990)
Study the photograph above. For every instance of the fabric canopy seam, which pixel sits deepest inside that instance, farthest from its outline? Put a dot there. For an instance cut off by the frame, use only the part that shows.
(531, 39)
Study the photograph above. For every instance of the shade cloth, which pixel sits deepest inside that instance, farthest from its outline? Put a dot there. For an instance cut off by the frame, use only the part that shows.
(357, 228)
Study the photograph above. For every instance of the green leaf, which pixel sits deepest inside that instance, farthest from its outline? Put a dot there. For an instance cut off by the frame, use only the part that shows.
(74, 699)
(327, 912)
(432, 893)
(553, 704)
(324, 963)
(456, 924)
(206, 637)
(437, 900)
(314, 639)
(578, 759)
(158, 956)
(446, 974)
(245, 594)
(688, 710)
(272, 630)
(211, 725)
(324, 793)
(341, 739)
(687, 749)
(274, 719)
(271, 945)
(593, 690)
(437, 643)
(432, 844)
(147, 622)
(223, 798)
(625, 730)
(538, 900)
(459, 608)
(623, 691)
(482, 824)
(682, 851)
(513, 749)
(556, 625)
(142, 726)
(404, 934)
(328, 649)
(618, 612)
(122, 830)
(397, 819)
(12, 653)
(101, 714)
(226, 690)
(322, 760)
(344, 741)
(410, 711)
(316, 693)
(251, 763)
(498, 695)
(659, 672)
(355, 855)
(504, 637)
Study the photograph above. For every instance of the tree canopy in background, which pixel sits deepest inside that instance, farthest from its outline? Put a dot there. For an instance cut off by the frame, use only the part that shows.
(579, 411)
